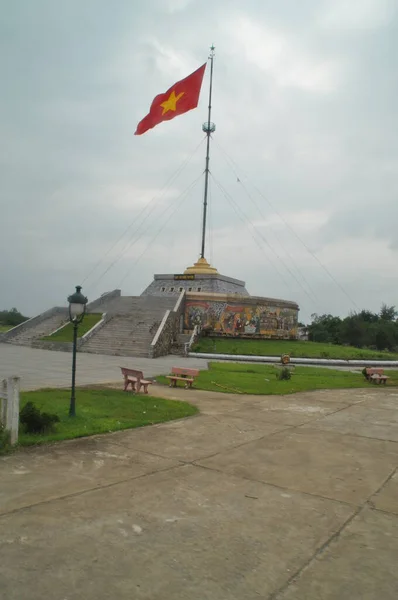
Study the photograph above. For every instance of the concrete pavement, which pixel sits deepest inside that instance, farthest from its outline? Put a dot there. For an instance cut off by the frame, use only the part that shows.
(43, 368)
(279, 498)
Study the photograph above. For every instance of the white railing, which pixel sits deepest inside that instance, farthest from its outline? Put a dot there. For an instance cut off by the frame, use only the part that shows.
(167, 329)
(195, 334)
(9, 406)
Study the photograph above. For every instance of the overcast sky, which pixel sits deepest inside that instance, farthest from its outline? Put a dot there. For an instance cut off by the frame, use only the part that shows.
(305, 103)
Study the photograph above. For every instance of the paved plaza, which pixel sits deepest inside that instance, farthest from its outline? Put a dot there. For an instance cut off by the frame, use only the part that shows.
(43, 368)
(279, 498)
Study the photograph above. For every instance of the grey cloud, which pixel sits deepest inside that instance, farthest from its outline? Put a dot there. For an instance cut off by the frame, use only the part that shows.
(77, 78)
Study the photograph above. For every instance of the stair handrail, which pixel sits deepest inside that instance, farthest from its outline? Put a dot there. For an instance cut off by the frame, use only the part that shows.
(197, 330)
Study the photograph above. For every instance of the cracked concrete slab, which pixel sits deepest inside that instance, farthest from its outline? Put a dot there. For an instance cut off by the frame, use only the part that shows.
(387, 498)
(341, 467)
(187, 533)
(194, 438)
(381, 399)
(287, 411)
(369, 421)
(48, 472)
(360, 564)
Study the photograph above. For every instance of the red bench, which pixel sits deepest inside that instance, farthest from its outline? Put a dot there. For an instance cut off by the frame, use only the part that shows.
(181, 374)
(135, 379)
(376, 375)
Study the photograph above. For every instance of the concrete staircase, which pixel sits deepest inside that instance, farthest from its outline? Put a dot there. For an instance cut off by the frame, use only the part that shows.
(36, 331)
(131, 326)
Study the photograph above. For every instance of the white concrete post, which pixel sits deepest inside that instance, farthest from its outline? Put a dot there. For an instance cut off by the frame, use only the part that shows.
(3, 402)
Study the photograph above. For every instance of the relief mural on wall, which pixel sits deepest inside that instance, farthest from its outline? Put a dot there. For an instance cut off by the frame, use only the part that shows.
(241, 319)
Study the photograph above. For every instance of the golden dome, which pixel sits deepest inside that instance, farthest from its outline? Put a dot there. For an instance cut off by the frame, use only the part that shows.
(201, 267)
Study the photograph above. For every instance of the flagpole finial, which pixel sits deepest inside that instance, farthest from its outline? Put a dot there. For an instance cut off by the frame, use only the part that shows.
(212, 48)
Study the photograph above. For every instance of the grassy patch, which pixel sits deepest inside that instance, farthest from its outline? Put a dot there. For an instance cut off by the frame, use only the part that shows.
(66, 333)
(295, 348)
(100, 411)
(4, 328)
(262, 379)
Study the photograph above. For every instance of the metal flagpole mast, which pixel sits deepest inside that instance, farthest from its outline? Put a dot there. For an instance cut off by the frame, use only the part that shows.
(208, 128)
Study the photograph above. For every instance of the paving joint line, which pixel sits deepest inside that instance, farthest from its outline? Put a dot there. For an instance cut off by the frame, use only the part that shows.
(274, 595)
(276, 486)
(88, 490)
(377, 492)
(330, 540)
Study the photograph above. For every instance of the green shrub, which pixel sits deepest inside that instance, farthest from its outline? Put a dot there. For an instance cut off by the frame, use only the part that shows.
(11, 317)
(284, 374)
(5, 443)
(35, 421)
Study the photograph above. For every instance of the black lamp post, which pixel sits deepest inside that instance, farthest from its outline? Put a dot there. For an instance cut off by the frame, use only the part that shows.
(77, 310)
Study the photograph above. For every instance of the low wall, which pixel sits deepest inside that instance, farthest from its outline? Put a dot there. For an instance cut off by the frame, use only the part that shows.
(226, 314)
(327, 362)
(104, 299)
(11, 333)
(95, 329)
(58, 346)
(168, 330)
(68, 346)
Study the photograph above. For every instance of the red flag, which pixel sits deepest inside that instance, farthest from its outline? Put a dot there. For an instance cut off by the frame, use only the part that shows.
(179, 99)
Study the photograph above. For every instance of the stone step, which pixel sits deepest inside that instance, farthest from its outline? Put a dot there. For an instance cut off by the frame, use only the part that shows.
(137, 354)
(129, 334)
(42, 329)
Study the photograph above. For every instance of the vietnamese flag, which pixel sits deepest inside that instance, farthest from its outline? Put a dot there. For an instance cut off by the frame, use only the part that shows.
(179, 99)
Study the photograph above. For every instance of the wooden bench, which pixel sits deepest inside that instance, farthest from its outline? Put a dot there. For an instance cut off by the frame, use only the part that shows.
(376, 375)
(181, 374)
(135, 379)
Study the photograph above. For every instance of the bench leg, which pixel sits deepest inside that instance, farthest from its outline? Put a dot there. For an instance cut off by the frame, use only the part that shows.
(145, 386)
(132, 384)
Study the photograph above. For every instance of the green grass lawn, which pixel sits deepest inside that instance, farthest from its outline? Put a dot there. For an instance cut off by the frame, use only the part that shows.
(261, 379)
(66, 333)
(100, 411)
(296, 348)
(4, 328)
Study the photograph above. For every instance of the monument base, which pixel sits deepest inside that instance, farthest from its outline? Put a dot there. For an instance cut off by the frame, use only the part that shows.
(222, 305)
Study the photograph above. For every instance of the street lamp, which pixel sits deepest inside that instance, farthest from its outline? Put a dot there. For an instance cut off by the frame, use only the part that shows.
(77, 310)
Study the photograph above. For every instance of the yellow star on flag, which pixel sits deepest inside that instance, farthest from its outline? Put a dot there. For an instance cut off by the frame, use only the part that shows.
(171, 102)
(177, 100)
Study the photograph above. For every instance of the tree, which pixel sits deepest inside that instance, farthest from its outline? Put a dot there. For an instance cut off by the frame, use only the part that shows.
(324, 328)
(388, 313)
(386, 337)
(368, 316)
(353, 330)
(11, 317)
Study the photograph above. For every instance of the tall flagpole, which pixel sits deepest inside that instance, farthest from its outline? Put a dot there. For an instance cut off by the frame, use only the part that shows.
(208, 128)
